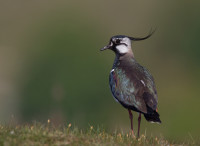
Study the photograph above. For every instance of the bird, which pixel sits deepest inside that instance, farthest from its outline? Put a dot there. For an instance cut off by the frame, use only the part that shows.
(131, 84)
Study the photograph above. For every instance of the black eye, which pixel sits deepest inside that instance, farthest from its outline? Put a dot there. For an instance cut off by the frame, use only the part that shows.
(117, 41)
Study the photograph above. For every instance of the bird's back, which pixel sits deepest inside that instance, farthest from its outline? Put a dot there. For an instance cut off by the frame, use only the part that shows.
(132, 85)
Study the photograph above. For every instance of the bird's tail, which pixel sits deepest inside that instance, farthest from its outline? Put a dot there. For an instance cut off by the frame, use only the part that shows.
(152, 117)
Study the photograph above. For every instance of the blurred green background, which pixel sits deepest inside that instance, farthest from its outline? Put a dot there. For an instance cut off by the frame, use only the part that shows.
(51, 66)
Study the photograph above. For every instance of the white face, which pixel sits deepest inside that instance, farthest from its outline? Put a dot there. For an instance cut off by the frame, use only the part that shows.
(124, 45)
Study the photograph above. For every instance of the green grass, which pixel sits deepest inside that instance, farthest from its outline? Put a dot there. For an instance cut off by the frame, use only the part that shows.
(47, 134)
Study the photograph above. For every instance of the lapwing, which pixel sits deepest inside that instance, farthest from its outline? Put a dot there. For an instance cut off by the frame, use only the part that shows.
(131, 84)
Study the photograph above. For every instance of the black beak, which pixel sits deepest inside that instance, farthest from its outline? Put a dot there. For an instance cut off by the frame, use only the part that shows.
(106, 47)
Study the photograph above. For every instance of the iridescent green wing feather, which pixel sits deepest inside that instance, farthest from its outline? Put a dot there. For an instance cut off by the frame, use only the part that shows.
(124, 91)
(133, 86)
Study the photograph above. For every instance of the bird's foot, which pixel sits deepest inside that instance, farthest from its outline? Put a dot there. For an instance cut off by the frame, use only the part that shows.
(132, 134)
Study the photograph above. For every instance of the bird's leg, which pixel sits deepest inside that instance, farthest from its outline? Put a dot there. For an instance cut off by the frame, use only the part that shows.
(139, 120)
(131, 118)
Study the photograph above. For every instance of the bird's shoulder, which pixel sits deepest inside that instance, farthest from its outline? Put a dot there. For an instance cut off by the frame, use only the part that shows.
(135, 72)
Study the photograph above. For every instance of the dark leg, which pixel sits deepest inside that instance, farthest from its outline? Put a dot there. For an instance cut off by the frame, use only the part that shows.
(131, 118)
(139, 120)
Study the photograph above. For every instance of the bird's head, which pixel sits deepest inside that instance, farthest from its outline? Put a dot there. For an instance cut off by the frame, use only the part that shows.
(121, 44)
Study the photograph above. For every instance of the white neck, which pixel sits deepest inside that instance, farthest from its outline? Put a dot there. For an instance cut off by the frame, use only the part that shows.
(122, 49)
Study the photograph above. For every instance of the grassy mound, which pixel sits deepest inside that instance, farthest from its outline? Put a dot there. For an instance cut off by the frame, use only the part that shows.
(47, 134)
